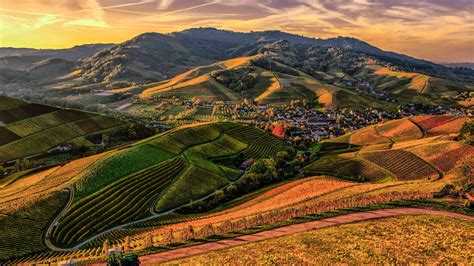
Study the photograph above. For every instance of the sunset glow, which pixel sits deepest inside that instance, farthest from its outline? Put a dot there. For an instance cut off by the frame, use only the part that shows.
(438, 30)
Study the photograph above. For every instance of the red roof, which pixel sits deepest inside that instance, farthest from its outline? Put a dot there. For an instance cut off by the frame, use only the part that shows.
(279, 131)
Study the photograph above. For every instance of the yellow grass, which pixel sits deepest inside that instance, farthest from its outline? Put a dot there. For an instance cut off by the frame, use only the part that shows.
(367, 136)
(52, 179)
(274, 87)
(237, 62)
(418, 81)
(398, 240)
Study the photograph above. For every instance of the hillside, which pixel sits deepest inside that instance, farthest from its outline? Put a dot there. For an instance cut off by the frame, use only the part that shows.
(28, 129)
(293, 67)
(188, 177)
(261, 80)
(421, 147)
(155, 175)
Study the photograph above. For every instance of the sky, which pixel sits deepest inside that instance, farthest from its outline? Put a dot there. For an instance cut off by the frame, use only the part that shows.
(437, 30)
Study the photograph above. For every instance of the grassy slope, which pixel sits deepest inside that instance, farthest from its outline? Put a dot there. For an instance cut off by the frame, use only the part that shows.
(414, 87)
(400, 240)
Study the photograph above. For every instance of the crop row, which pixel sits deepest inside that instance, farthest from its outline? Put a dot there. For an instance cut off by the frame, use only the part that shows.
(178, 140)
(263, 147)
(399, 130)
(224, 146)
(352, 169)
(405, 165)
(25, 111)
(121, 202)
(22, 229)
(55, 256)
(245, 133)
(429, 122)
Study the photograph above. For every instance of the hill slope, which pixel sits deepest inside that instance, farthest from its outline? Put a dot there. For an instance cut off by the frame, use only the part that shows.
(406, 149)
(121, 186)
(28, 129)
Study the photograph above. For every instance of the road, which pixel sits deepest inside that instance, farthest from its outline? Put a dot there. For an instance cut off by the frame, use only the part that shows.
(288, 230)
(47, 238)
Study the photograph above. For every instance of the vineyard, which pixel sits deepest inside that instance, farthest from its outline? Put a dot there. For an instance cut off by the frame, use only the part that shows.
(403, 164)
(351, 169)
(367, 136)
(262, 144)
(430, 122)
(400, 130)
(132, 186)
(444, 154)
(32, 129)
(22, 228)
(195, 183)
(161, 173)
(121, 202)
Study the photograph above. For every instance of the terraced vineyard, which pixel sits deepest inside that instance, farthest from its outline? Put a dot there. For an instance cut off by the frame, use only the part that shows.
(28, 129)
(384, 151)
(123, 201)
(400, 130)
(261, 143)
(126, 188)
(403, 164)
(168, 171)
(23, 226)
(352, 169)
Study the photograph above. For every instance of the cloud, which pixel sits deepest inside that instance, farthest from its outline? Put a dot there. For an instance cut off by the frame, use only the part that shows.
(164, 4)
(47, 20)
(93, 23)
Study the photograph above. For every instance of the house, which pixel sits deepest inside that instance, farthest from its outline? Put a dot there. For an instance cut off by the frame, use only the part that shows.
(262, 106)
(319, 121)
(247, 164)
(279, 131)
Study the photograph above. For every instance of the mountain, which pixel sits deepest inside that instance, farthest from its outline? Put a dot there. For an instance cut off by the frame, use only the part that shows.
(282, 71)
(351, 72)
(21, 58)
(460, 65)
(154, 56)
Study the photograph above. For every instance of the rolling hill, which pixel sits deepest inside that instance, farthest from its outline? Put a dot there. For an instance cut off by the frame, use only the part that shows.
(259, 79)
(28, 129)
(300, 67)
(421, 147)
(136, 194)
(125, 185)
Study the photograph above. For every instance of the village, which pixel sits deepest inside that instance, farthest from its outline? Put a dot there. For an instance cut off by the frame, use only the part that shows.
(300, 122)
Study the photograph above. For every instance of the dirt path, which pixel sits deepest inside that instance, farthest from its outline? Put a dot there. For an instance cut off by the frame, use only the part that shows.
(290, 229)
